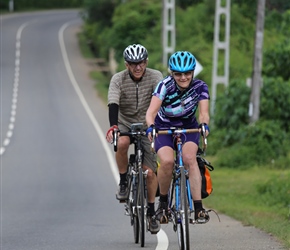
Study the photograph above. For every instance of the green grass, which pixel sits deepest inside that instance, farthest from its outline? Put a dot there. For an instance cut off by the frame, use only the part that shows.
(102, 80)
(237, 193)
(102, 83)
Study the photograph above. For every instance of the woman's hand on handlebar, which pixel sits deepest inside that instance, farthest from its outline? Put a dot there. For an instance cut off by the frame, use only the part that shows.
(204, 129)
(151, 132)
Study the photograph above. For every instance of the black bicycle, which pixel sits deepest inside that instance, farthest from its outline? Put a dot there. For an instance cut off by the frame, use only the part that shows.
(136, 204)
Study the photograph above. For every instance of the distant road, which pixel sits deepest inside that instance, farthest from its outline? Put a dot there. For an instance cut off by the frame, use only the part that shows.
(58, 175)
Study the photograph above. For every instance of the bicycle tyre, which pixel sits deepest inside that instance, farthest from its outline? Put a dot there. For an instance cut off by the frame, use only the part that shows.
(179, 234)
(141, 207)
(184, 219)
(178, 225)
(130, 203)
(135, 219)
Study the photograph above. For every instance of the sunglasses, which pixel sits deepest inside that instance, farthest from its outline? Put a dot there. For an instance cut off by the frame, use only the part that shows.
(179, 74)
(134, 65)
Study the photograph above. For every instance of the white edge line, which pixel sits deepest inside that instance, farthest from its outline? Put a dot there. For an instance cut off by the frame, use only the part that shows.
(85, 104)
(162, 239)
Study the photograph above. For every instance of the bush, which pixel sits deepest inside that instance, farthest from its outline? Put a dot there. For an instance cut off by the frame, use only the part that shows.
(231, 110)
(275, 191)
(35, 4)
(261, 143)
(275, 101)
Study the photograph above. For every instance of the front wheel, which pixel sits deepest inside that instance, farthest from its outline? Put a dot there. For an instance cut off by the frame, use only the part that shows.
(134, 213)
(179, 233)
(183, 223)
(141, 207)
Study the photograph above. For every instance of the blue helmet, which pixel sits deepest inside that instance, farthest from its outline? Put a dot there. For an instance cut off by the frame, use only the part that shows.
(182, 61)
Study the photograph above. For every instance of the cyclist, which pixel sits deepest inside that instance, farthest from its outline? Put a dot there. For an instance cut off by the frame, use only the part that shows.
(129, 96)
(174, 104)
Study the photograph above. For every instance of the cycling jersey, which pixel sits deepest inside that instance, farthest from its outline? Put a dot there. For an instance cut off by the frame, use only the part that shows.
(132, 97)
(179, 107)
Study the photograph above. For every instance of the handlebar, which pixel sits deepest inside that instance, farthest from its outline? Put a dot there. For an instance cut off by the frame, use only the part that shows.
(117, 133)
(178, 131)
(174, 130)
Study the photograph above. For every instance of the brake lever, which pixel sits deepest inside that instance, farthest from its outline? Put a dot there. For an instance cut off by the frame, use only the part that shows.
(204, 139)
(115, 139)
(153, 140)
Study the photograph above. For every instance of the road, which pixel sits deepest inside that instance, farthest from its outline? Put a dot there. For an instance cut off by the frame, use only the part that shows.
(58, 175)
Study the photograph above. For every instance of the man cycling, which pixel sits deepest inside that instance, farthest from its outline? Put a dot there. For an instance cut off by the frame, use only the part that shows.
(129, 96)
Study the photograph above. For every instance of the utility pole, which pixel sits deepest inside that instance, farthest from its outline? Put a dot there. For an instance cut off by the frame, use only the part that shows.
(169, 34)
(168, 30)
(221, 48)
(254, 109)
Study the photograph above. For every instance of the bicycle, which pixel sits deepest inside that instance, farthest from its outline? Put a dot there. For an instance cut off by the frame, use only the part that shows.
(180, 201)
(136, 204)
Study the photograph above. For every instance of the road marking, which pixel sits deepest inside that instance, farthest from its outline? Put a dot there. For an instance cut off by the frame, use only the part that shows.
(12, 119)
(162, 239)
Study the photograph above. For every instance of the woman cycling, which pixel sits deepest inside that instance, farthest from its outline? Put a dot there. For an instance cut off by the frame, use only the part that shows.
(174, 103)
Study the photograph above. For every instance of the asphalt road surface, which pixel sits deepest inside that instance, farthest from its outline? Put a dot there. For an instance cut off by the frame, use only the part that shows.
(58, 175)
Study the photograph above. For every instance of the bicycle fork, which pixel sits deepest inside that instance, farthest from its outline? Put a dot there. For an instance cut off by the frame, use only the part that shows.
(177, 198)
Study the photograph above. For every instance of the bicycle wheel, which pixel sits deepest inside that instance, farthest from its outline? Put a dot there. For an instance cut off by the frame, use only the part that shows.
(183, 222)
(129, 203)
(141, 207)
(134, 217)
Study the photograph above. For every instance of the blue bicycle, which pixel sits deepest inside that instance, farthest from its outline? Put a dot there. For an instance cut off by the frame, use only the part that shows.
(180, 201)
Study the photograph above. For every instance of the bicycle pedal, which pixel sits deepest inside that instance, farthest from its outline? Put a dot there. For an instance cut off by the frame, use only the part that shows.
(122, 201)
(127, 211)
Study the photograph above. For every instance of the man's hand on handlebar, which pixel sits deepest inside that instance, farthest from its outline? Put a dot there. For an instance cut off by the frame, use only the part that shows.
(109, 135)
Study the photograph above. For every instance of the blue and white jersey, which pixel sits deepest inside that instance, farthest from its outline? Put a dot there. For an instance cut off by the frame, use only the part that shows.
(181, 112)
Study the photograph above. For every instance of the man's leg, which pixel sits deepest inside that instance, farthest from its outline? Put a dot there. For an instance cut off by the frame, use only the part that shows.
(122, 163)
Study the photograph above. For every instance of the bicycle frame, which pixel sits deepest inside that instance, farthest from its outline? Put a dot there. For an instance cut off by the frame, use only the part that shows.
(179, 166)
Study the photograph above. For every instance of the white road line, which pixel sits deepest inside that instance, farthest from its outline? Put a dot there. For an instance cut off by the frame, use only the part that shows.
(161, 236)
(11, 126)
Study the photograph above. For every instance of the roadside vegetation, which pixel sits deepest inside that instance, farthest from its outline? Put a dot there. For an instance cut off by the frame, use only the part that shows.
(252, 161)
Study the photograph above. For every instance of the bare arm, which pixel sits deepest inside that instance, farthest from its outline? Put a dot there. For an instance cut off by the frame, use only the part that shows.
(204, 113)
(153, 109)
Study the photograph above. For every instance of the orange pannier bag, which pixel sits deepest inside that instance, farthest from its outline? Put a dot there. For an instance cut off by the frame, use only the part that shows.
(205, 167)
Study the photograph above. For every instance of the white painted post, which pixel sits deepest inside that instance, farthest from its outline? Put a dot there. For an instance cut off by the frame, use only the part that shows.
(11, 5)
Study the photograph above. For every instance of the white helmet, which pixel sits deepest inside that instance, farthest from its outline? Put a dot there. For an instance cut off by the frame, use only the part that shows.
(135, 53)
